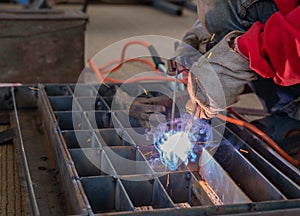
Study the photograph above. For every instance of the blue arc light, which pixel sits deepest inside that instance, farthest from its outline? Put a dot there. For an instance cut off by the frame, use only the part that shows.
(182, 143)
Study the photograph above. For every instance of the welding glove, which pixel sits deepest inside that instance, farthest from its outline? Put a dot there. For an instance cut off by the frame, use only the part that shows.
(141, 108)
(218, 78)
(191, 48)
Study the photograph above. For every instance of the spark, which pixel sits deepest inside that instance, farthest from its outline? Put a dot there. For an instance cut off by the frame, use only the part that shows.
(209, 55)
(146, 92)
(212, 37)
(168, 180)
(147, 153)
(34, 88)
(244, 151)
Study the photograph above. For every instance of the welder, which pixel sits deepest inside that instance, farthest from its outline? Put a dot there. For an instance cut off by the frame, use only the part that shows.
(237, 44)
(247, 43)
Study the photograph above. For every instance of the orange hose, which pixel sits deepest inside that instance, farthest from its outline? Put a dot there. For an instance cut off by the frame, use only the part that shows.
(138, 79)
(99, 71)
(144, 61)
(262, 135)
(124, 50)
(96, 71)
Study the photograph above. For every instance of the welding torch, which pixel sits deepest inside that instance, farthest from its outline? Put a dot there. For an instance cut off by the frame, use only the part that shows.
(172, 65)
(174, 69)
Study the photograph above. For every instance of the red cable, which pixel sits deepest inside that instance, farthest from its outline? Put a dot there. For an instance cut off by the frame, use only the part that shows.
(138, 79)
(96, 71)
(144, 61)
(142, 43)
(120, 62)
(100, 71)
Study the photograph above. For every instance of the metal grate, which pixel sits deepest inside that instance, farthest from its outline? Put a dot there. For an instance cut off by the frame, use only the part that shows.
(104, 165)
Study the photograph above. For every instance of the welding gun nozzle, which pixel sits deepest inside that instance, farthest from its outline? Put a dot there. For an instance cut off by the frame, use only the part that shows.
(172, 67)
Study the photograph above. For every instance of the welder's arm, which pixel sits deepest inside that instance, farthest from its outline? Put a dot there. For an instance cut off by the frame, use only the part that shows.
(274, 48)
(217, 79)
(141, 108)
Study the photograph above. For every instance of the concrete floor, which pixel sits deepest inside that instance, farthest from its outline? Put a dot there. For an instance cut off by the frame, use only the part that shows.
(111, 23)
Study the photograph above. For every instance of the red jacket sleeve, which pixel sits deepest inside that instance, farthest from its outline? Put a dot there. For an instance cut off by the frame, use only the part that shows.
(273, 49)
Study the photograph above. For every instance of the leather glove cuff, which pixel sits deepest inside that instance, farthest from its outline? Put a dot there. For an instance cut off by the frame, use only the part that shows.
(219, 77)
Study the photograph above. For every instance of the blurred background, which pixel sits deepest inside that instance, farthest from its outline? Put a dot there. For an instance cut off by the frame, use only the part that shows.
(76, 30)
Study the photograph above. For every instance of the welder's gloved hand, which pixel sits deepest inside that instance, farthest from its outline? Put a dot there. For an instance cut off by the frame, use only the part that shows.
(141, 108)
(218, 78)
(193, 46)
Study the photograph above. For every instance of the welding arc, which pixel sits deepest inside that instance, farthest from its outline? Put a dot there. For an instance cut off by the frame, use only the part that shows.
(264, 136)
(99, 71)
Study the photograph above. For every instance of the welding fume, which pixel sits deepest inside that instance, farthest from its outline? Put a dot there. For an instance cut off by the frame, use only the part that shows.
(220, 56)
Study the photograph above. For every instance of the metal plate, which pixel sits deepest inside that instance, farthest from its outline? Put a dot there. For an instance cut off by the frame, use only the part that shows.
(35, 40)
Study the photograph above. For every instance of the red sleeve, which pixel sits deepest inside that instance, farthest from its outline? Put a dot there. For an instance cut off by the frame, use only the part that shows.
(274, 48)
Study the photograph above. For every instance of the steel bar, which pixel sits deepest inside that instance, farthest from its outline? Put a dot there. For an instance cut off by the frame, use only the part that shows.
(29, 183)
(266, 152)
(286, 185)
(220, 181)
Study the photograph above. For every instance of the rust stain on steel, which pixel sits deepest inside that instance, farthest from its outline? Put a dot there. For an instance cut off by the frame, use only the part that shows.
(183, 205)
(210, 193)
